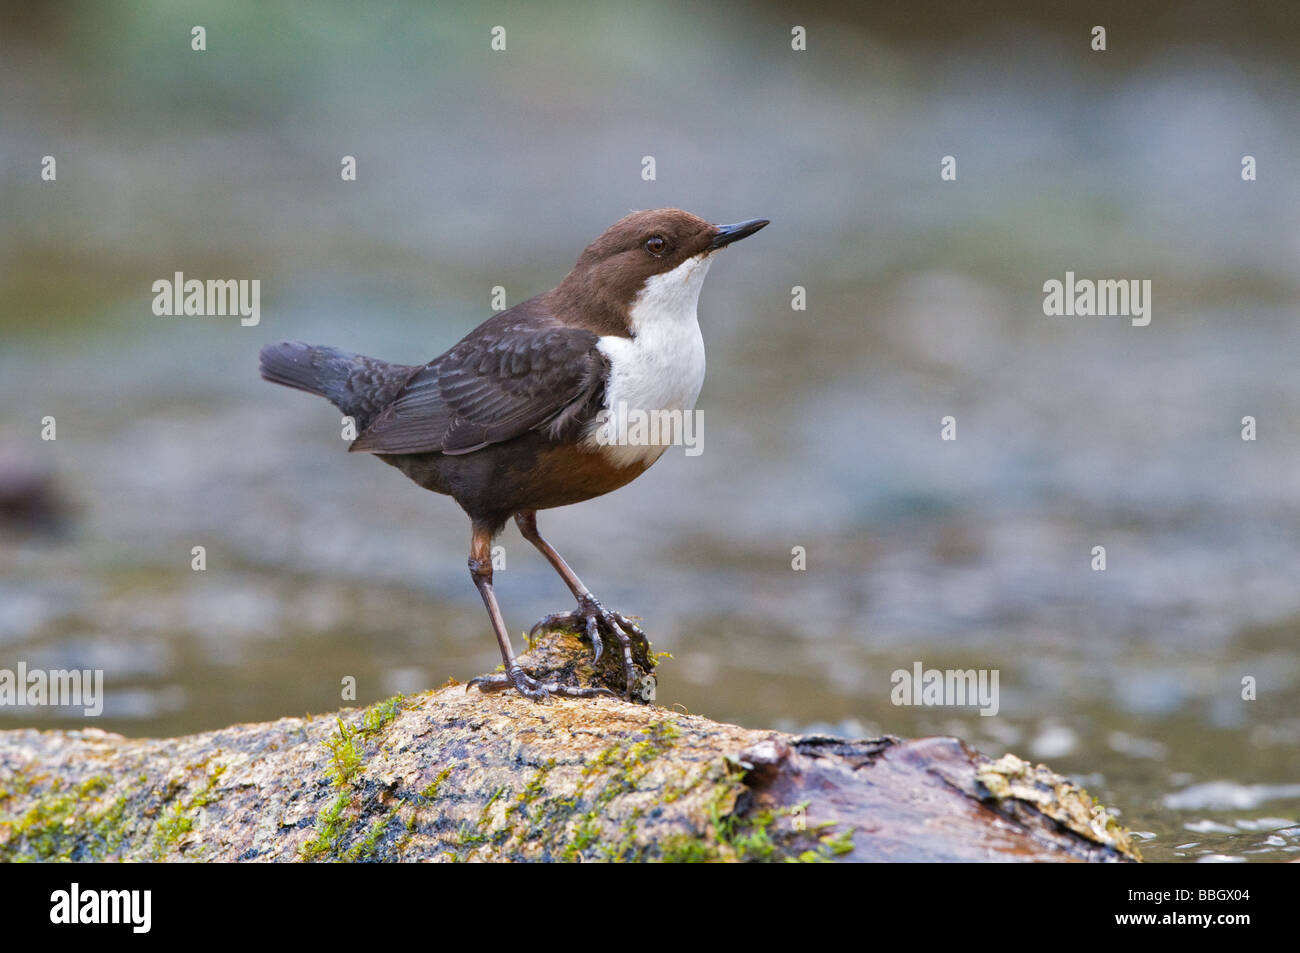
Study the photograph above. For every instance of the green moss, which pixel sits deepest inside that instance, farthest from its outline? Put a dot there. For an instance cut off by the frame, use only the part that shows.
(587, 833)
(754, 838)
(43, 830)
(364, 849)
(838, 844)
(621, 768)
(686, 849)
(347, 749)
(492, 800)
(107, 830)
(206, 794)
(171, 827)
(475, 835)
(92, 786)
(345, 754)
(62, 824)
(625, 849)
(755, 843)
(347, 745)
(470, 836)
(431, 789)
(178, 820)
(329, 830)
(532, 818)
(377, 717)
(532, 791)
(809, 857)
(573, 826)
(21, 784)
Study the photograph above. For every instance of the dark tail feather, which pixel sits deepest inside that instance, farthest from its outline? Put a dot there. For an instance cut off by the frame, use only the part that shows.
(290, 363)
(357, 385)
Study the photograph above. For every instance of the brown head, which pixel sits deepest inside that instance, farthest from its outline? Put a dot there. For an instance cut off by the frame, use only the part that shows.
(614, 269)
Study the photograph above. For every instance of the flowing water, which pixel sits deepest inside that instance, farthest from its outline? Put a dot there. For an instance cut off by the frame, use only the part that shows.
(821, 426)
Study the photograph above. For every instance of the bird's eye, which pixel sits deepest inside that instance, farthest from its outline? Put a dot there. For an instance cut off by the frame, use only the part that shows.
(656, 245)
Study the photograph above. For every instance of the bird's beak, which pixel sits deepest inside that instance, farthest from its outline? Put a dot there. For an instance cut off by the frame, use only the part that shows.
(727, 234)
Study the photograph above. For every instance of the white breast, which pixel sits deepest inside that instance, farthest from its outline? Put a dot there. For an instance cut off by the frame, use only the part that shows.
(660, 368)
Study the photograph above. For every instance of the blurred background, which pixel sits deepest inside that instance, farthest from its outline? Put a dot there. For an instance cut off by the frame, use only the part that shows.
(478, 168)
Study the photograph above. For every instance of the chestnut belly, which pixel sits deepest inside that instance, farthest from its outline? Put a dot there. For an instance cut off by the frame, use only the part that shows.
(531, 472)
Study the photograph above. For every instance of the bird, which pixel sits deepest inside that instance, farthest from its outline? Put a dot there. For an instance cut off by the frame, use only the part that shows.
(516, 416)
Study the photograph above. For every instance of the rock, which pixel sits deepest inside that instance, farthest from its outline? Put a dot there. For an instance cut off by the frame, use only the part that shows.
(450, 775)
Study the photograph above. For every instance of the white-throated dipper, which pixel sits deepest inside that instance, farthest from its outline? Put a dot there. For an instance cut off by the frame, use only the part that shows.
(509, 421)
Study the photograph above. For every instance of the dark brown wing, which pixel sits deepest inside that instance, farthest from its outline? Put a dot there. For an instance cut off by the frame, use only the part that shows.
(501, 381)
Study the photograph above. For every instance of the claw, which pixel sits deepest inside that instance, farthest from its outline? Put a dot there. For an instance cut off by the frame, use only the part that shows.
(598, 646)
(556, 620)
(485, 684)
(530, 688)
(590, 618)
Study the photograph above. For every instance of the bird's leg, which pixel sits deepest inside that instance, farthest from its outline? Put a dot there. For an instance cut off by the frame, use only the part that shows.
(590, 616)
(480, 569)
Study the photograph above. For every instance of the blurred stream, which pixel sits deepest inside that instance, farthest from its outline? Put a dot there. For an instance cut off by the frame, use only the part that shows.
(821, 426)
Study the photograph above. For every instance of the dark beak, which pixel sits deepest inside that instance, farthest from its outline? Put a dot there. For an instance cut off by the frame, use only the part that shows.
(734, 233)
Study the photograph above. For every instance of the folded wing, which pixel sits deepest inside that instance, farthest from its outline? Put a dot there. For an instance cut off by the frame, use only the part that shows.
(493, 386)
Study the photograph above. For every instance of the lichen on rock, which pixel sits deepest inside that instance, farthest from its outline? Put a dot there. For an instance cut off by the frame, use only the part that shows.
(451, 775)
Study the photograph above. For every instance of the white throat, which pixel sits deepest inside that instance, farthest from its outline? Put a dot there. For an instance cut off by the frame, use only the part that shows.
(661, 367)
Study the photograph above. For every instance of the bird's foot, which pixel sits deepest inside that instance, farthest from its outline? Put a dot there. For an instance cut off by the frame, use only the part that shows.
(591, 618)
(530, 687)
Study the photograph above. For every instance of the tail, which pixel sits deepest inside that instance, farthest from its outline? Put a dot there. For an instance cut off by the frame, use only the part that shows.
(357, 385)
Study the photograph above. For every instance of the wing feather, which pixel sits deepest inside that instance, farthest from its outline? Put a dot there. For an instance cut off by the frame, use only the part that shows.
(498, 383)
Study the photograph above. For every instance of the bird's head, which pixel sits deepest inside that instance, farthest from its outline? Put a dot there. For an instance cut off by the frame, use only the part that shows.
(659, 257)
